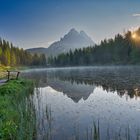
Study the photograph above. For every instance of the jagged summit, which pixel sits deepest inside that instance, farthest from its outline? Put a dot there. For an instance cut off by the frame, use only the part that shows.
(71, 41)
(73, 30)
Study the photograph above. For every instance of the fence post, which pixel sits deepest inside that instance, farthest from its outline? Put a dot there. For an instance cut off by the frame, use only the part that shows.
(8, 76)
(17, 75)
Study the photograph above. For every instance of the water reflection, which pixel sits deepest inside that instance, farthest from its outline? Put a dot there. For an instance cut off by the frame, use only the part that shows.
(78, 83)
(69, 101)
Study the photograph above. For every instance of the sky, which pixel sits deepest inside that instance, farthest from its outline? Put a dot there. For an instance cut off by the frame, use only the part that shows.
(38, 23)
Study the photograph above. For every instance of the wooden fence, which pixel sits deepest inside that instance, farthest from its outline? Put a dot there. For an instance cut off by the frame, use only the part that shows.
(9, 75)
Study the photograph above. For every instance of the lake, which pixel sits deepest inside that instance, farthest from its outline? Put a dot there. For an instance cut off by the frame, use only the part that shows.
(85, 103)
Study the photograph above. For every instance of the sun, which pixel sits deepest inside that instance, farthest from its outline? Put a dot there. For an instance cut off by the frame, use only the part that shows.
(134, 35)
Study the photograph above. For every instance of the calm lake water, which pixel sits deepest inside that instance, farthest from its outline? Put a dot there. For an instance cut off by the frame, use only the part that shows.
(80, 103)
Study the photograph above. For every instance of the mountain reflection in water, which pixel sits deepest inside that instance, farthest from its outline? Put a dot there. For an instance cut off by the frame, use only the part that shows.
(78, 83)
(69, 102)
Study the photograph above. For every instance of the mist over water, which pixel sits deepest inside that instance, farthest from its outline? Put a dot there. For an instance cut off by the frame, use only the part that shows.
(70, 101)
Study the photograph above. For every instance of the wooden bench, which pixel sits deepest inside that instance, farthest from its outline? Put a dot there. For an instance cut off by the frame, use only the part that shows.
(9, 73)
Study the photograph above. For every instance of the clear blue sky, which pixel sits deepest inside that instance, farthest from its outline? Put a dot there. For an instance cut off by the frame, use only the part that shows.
(37, 23)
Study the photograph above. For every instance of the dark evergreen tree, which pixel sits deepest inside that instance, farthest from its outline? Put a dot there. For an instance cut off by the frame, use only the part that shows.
(123, 49)
(13, 56)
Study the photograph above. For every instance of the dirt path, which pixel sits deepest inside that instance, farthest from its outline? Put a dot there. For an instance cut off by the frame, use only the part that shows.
(2, 82)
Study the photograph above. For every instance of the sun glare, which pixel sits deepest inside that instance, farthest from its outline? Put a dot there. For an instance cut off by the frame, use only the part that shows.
(135, 37)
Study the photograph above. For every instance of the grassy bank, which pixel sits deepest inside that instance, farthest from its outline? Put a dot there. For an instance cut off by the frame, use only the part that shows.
(17, 115)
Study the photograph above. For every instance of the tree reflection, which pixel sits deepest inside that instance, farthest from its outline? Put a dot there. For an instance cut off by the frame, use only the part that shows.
(124, 80)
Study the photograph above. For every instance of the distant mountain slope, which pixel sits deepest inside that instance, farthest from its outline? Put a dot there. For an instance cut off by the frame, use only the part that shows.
(71, 41)
(36, 50)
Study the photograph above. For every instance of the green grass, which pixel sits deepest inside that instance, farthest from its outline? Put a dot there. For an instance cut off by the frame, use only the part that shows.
(15, 87)
(17, 114)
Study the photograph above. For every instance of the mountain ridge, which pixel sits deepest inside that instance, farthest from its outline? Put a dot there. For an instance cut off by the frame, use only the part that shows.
(70, 41)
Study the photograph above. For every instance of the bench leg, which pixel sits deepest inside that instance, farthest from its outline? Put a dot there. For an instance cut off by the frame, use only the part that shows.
(17, 75)
(8, 76)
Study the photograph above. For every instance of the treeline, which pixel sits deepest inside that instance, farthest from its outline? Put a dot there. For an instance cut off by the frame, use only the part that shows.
(123, 49)
(14, 56)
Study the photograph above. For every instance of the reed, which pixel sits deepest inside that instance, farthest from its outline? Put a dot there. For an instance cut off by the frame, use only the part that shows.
(17, 112)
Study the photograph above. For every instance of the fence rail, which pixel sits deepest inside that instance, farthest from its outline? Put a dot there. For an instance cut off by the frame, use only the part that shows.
(9, 75)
